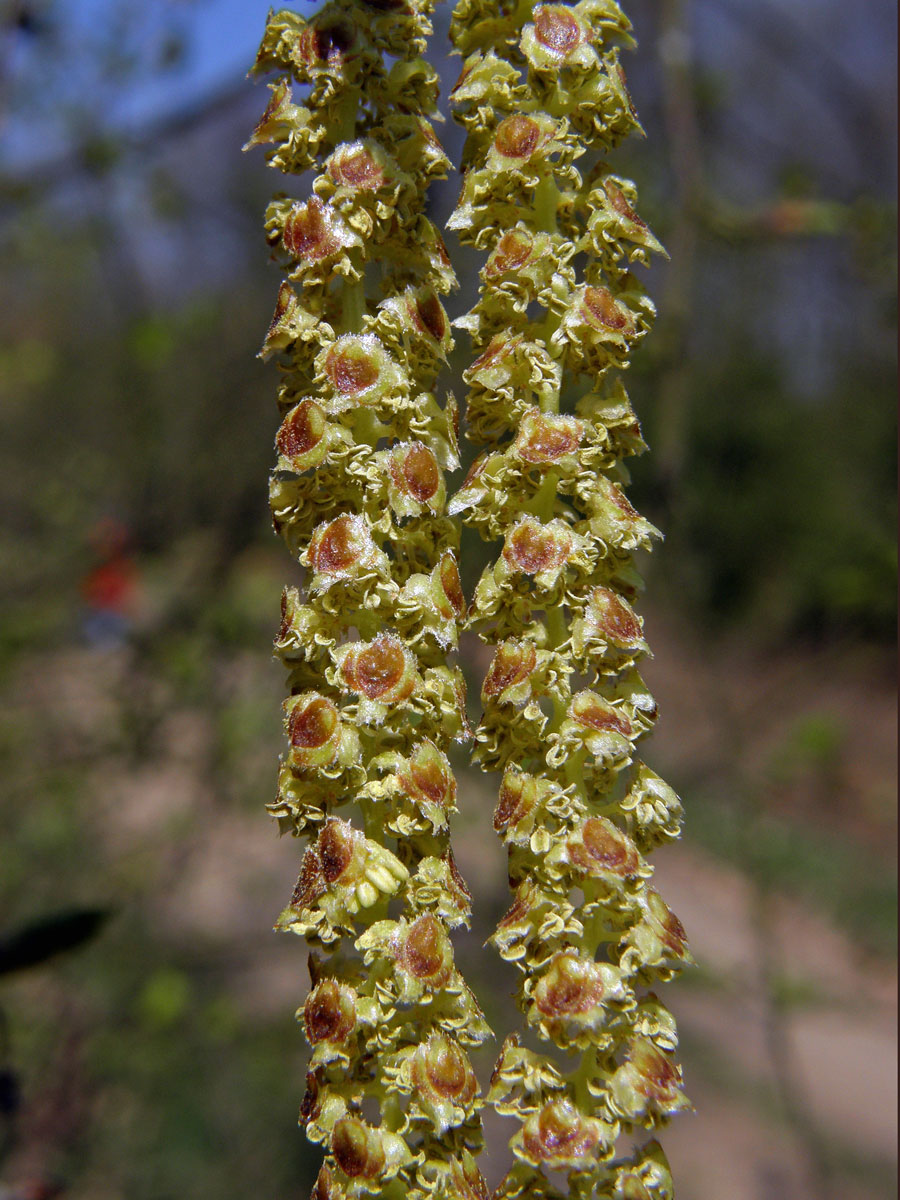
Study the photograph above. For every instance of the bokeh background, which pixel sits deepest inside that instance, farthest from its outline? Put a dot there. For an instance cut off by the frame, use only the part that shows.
(147, 1044)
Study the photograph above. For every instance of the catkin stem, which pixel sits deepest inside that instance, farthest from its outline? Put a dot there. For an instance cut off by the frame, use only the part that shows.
(359, 495)
(578, 811)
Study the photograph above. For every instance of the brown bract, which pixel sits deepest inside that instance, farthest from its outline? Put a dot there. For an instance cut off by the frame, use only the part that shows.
(518, 796)
(467, 1181)
(600, 309)
(658, 1076)
(310, 885)
(452, 605)
(545, 439)
(556, 29)
(326, 1186)
(357, 1149)
(427, 314)
(653, 1075)
(337, 546)
(593, 712)
(559, 1135)
(337, 858)
(617, 73)
(441, 1070)
(619, 202)
(517, 136)
(311, 1104)
(353, 365)
(571, 986)
(427, 775)
(426, 953)
(327, 41)
(311, 231)
(335, 846)
(415, 472)
(354, 166)
(329, 1014)
(379, 670)
(313, 729)
(608, 614)
(311, 725)
(669, 928)
(601, 849)
(494, 349)
(476, 469)
(457, 887)
(301, 432)
(513, 250)
(531, 547)
(527, 898)
(622, 503)
(511, 666)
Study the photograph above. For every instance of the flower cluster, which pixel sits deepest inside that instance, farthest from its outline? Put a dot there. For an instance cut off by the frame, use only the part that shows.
(359, 497)
(543, 97)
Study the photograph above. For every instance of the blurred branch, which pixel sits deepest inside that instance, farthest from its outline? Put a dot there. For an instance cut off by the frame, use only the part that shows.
(683, 140)
(812, 65)
(724, 717)
(46, 937)
(96, 155)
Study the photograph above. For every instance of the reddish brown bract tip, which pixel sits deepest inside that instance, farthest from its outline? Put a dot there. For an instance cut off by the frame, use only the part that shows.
(518, 796)
(544, 439)
(571, 986)
(608, 614)
(513, 250)
(301, 430)
(310, 884)
(512, 664)
(619, 202)
(517, 136)
(326, 41)
(556, 29)
(532, 547)
(357, 1149)
(351, 365)
(429, 776)
(601, 848)
(593, 712)
(600, 309)
(325, 1187)
(452, 586)
(337, 547)
(309, 231)
(329, 1014)
(559, 1133)
(426, 953)
(415, 472)
(379, 670)
(427, 314)
(313, 724)
(672, 932)
(335, 848)
(442, 1071)
(354, 167)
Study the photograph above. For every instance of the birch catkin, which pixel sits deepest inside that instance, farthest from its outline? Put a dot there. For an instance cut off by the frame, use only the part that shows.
(565, 707)
(358, 495)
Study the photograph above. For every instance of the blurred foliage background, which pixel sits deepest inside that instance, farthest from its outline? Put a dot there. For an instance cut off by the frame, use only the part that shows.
(147, 1046)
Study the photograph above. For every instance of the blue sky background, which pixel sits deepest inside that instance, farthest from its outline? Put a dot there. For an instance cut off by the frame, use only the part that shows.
(796, 89)
(220, 37)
